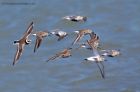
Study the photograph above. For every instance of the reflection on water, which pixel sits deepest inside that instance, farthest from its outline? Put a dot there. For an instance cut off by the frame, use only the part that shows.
(117, 24)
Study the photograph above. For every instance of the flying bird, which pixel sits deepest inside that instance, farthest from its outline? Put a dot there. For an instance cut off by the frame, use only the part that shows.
(75, 18)
(60, 34)
(111, 53)
(22, 42)
(80, 34)
(39, 37)
(62, 54)
(93, 42)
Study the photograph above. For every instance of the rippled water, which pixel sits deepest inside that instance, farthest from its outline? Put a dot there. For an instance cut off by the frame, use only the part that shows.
(117, 23)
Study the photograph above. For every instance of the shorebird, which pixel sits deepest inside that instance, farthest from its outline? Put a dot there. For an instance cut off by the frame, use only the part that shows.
(98, 59)
(60, 34)
(39, 37)
(76, 18)
(81, 33)
(111, 53)
(63, 54)
(93, 43)
(22, 42)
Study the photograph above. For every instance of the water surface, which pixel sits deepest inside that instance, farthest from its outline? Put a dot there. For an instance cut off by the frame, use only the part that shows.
(115, 21)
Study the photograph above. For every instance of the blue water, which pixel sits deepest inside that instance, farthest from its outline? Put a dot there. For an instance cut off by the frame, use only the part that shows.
(117, 23)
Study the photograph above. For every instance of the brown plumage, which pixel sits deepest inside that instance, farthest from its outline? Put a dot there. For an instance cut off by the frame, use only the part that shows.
(22, 42)
(39, 37)
(94, 41)
(63, 54)
(111, 53)
(80, 34)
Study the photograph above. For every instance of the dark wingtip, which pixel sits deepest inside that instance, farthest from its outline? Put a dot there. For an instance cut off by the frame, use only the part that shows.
(32, 23)
(85, 59)
(34, 50)
(13, 63)
(47, 60)
(73, 43)
(103, 76)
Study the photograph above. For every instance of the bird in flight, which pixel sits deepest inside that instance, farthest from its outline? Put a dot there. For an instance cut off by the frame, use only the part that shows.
(93, 42)
(111, 53)
(80, 34)
(39, 37)
(22, 42)
(75, 18)
(60, 34)
(62, 54)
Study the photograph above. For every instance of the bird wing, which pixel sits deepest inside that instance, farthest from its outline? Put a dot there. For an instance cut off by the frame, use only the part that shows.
(61, 37)
(37, 43)
(79, 36)
(53, 57)
(95, 51)
(60, 54)
(19, 51)
(101, 68)
(29, 30)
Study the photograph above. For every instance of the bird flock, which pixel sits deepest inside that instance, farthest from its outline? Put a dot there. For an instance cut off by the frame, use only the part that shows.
(92, 43)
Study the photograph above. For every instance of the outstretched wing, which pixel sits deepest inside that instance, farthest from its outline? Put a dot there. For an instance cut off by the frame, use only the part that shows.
(37, 43)
(79, 36)
(54, 57)
(101, 68)
(29, 30)
(60, 54)
(19, 51)
(95, 51)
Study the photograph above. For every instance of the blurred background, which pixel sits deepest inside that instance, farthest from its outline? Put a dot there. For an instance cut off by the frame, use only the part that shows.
(116, 22)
